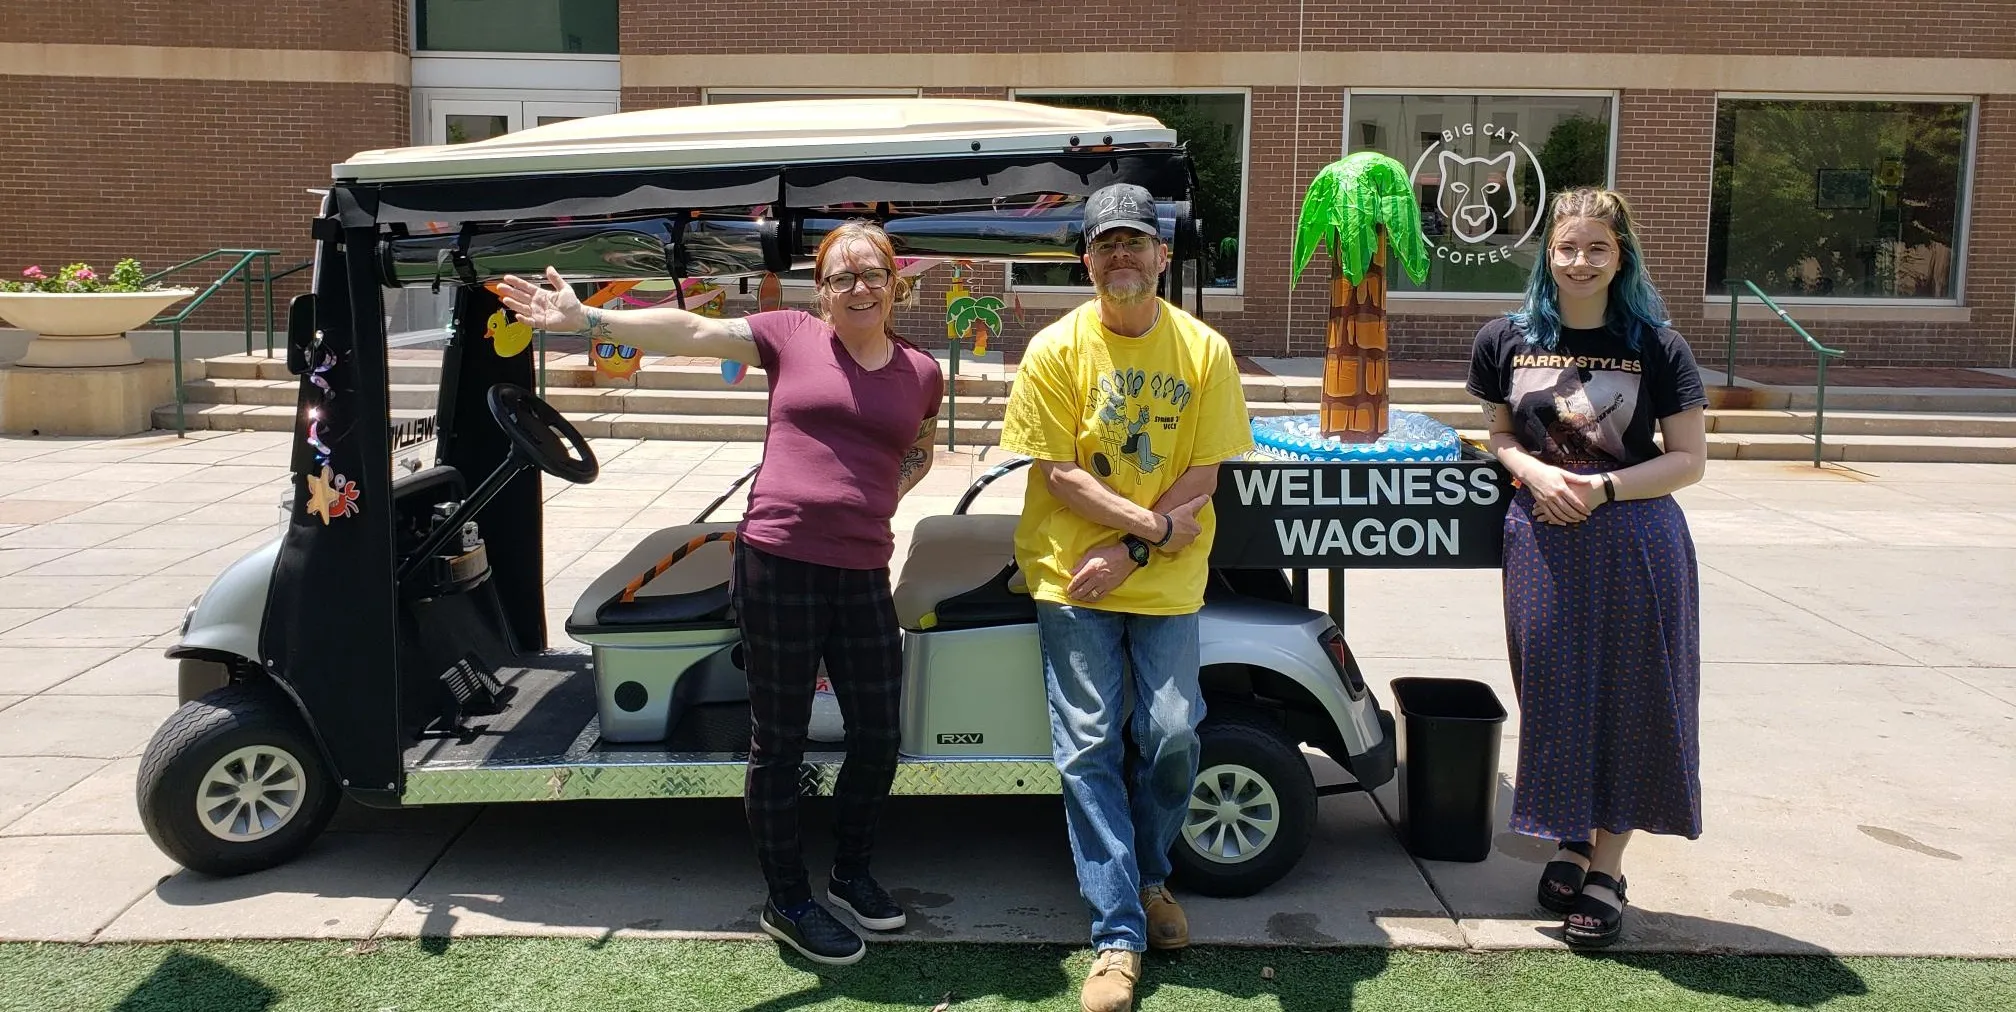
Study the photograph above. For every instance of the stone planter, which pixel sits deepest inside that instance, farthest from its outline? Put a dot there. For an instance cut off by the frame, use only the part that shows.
(83, 329)
(79, 376)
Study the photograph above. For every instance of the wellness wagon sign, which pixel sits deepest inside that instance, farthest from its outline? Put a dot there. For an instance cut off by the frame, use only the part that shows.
(1295, 515)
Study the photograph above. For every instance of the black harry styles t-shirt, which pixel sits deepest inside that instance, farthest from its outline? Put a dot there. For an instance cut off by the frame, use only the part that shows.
(1592, 400)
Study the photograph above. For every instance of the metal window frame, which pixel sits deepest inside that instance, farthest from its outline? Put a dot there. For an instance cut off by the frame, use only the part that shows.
(1613, 95)
(1963, 208)
(1245, 93)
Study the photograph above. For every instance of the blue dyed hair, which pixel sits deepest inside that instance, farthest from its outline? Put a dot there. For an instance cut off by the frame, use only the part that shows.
(1635, 307)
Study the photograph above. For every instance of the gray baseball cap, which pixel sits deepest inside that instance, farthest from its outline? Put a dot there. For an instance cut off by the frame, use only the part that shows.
(1122, 205)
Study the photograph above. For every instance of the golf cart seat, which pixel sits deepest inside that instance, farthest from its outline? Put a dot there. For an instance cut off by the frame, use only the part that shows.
(961, 574)
(691, 591)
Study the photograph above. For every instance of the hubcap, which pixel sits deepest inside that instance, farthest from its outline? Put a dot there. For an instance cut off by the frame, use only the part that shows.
(250, 793)
(1234, 814)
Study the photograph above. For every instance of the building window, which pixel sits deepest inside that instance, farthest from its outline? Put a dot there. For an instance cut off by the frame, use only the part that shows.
(1214, 125)
(1482, 167)
(1839, 198)
(515, 26)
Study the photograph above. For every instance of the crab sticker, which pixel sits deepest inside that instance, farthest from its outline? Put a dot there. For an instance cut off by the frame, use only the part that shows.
(331, 496)
(507, 338)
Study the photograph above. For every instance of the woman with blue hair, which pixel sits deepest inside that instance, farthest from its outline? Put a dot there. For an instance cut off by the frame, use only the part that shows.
(1601, 587)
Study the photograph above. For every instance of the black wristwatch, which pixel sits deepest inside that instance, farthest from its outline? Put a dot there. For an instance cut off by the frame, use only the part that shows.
(1137, 549)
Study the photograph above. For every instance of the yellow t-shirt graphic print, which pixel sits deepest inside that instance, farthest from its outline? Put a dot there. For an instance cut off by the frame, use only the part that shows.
(1136, 412)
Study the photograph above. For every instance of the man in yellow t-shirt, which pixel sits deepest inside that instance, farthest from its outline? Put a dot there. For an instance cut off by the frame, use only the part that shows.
(1127, 406)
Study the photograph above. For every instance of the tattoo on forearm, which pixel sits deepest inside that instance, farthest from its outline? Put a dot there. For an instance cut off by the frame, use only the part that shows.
(914, 461)
(1490, 413)
(598, 322)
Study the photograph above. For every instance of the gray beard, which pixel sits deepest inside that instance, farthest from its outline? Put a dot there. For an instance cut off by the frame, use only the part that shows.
(1126, 294)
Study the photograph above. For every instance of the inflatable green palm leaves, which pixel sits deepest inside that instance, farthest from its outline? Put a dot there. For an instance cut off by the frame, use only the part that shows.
(1347, 203)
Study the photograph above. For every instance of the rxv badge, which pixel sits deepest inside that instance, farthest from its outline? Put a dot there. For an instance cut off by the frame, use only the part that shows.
(961, 738)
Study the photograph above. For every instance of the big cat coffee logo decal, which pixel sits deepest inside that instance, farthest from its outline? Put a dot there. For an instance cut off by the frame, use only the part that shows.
(1479, 166)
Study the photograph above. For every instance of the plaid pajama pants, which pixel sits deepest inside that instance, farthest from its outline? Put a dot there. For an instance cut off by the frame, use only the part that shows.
(794, 614)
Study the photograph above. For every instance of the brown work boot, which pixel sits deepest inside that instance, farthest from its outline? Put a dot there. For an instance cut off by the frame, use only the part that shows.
(1167, 927)
(1110, 985)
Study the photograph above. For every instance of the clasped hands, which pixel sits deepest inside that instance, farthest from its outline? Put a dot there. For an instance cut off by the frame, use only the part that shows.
(1565, 498)
(1105, 568)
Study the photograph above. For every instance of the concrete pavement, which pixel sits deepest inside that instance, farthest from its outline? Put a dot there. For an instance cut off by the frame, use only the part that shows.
(1859, 736)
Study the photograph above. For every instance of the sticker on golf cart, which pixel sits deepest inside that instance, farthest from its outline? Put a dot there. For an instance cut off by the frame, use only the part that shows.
(1321, 516)
(331, 496)
(507, 338)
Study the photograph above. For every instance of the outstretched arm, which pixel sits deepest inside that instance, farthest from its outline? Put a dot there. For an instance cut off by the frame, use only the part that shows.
(663, 329)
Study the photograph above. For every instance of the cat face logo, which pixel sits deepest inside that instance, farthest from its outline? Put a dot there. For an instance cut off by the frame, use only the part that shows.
(1488, 188)
(1477, 193)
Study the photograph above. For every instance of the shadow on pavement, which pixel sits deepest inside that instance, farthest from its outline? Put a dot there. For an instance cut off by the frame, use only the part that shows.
(183, 981)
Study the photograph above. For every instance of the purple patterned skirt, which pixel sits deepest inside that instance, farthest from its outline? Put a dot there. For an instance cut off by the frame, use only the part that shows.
(1602, 624)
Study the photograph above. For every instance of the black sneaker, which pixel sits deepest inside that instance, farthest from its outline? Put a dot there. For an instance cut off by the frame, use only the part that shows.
(817, 935)
(867, 902)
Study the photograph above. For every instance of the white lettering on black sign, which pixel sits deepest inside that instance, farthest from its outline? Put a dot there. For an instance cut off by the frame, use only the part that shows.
(1396, 486)
(1361, 536)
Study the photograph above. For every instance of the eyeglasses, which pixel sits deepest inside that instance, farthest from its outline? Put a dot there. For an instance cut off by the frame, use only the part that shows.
(1566, 255)
(608, 349)
(1138, 245)
(843, 281)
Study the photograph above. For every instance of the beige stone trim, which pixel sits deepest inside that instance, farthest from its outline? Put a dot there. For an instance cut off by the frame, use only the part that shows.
(305, 66)
(1398, 305)
(1717, 308)
(1479, 70)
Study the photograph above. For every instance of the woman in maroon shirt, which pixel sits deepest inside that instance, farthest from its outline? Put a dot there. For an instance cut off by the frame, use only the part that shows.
(852, 415)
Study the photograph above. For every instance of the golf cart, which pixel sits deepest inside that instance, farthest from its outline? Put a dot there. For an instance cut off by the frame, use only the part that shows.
(391, 645)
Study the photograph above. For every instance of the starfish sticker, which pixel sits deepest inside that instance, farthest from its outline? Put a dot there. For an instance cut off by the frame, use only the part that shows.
(322, 497)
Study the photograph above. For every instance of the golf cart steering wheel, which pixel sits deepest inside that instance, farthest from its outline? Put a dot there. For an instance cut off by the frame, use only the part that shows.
(541, 435)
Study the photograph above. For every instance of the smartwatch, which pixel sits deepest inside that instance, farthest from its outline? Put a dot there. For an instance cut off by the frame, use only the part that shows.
(1137, 549)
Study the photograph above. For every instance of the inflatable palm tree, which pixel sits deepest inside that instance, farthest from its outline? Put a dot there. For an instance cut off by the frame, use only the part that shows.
(1359, 205)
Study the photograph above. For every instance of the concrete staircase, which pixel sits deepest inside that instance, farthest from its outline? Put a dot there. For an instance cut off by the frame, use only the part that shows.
(691, 401)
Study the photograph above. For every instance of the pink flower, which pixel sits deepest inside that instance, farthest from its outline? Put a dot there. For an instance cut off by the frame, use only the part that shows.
(86, 274)
(33, 274)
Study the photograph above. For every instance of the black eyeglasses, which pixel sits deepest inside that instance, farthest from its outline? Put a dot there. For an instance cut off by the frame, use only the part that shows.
(840, 282)
(607, 349)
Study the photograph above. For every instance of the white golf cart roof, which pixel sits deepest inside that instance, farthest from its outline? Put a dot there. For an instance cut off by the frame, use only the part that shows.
(767, 133)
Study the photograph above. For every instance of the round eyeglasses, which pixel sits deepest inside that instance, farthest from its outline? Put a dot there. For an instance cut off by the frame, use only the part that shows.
(840, 282)
(1600, 256)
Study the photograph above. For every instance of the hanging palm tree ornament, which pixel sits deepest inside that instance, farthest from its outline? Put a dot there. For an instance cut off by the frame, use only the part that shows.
(1360, 205)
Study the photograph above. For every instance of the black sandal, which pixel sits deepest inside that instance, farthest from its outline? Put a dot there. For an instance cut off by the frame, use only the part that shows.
(1609, 919)
(1561, 881)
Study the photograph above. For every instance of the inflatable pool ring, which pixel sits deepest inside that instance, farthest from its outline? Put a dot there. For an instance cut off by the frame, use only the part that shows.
(1410, 437)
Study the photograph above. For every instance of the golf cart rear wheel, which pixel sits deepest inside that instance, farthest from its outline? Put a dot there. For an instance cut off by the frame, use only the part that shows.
(1252, 808)
(232, 783)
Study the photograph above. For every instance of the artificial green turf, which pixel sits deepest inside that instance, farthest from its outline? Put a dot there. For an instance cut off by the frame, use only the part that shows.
(676, 976)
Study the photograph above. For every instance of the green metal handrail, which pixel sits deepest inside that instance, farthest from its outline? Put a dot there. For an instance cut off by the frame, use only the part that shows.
(240, 268)
(1821, 352)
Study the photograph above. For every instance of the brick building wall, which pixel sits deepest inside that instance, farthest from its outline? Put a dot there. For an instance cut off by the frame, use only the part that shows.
(214, 163)
(97, 168)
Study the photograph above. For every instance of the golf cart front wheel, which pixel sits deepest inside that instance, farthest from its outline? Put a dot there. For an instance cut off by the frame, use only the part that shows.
(232, 783)
(1252, 808)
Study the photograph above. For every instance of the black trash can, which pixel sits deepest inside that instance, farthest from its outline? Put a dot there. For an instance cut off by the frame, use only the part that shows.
(1449, 732)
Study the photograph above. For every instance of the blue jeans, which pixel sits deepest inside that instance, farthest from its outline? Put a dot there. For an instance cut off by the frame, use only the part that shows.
(1120, 838)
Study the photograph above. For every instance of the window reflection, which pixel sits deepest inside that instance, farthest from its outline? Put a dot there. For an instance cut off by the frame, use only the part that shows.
(1483, 167)
(1838, 199)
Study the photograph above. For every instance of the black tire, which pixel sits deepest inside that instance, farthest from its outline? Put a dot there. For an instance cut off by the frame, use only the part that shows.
(1242, 746)
(203, 733)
